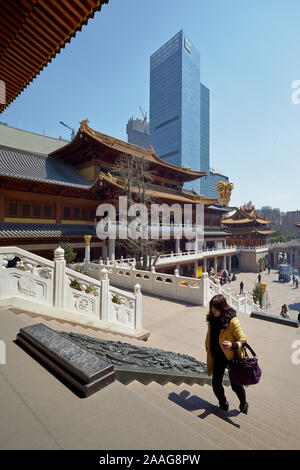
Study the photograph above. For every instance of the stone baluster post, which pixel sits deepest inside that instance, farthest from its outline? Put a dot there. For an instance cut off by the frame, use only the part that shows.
(104, 295)
(138, 307)
(59, 284)
(87, 256)
(204, 290)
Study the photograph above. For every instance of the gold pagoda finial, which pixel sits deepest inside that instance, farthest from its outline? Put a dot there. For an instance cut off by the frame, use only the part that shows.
(224, 189)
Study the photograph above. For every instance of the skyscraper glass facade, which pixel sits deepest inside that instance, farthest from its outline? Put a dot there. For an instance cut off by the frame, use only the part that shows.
(175, 103)
(179, 110)
(204, 141)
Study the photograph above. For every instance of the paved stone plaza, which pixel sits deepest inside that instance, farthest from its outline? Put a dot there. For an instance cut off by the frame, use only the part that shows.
(278, 293)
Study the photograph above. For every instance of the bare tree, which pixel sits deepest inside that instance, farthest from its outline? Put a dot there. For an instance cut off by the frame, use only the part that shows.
(137, 177)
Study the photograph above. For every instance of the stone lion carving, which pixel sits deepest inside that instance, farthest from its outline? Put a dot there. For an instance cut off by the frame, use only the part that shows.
(224, 189)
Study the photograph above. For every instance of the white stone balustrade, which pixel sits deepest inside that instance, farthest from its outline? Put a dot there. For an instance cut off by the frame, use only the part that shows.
(241, 303)
(170, 286)
(50, 288)
(193, 255)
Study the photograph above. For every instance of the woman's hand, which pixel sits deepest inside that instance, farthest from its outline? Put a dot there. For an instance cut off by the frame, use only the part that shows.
(227, 345)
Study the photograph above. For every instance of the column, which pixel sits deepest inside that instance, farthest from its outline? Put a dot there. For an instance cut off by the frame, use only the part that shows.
(2, 211)
(87, 256)
(216, 263)
(177, 245)
(138, 307)
(59, 278)
(204, 290)
(204, 265)
(196, 269)
(104, 252)
(104, 295)
(224, 263)
(229, 263)
(112, 248)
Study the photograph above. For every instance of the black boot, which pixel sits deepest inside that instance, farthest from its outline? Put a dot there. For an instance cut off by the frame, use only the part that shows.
(244, 407)
(224, 406)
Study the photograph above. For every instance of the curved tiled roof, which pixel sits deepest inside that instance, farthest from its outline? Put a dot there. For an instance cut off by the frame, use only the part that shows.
(32, 32)
(36, 230)
(159, 193)
(243, 216)
(38, 167)
(122, 147)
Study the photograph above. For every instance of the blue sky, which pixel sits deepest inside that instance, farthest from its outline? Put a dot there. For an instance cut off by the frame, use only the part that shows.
(249, 58)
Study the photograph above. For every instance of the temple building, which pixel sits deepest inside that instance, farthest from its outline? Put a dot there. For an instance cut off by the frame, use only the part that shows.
(247, 228)
(49, 198)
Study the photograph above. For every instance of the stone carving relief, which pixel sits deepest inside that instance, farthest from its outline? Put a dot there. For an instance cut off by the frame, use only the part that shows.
(27, 286)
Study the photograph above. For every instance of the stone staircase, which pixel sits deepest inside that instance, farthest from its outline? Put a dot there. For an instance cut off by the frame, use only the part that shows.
(189, 413)
(261, 429)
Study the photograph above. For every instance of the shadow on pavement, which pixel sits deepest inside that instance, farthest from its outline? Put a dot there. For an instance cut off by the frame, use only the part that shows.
(192, 403)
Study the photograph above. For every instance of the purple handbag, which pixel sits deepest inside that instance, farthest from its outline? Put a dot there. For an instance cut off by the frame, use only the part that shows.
(244, 371)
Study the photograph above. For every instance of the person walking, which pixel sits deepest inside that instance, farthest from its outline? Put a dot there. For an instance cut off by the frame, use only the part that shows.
(284, 311)
(259, 278)
(224, 335)
(241, 287)
(294, 279)
(297, 283)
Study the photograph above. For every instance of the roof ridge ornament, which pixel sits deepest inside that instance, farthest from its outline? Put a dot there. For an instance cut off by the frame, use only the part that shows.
(224, 189)
(85, 127)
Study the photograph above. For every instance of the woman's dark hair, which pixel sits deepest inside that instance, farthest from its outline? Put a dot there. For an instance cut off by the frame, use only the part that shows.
(227, 312)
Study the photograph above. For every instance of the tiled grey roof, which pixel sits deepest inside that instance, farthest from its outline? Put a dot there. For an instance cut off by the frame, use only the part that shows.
(31, 230)
(38, 167)
(208, 231)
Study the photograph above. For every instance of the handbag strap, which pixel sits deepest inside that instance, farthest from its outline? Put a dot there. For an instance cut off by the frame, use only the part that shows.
(244, 346)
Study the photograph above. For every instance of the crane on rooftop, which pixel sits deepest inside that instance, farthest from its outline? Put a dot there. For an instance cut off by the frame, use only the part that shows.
(144, 114)
(71, 129)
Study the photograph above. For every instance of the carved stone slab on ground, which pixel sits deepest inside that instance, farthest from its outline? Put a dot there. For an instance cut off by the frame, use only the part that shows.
(145, 365)
(74, 365)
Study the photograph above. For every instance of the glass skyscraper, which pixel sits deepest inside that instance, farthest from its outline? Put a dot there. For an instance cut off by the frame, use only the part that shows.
(204, 141)
(179, 108)
(175, 97)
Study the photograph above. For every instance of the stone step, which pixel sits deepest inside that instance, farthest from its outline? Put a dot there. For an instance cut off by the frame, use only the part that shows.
(290, 405)
(229, 424)
(281, 406)
(266, 403)
(232, 422)
(259, 414)
(156, 402)
(260, 419)
(205, 431)
(278, 414)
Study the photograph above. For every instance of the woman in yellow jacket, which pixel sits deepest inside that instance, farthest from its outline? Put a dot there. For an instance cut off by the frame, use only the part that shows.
(224, 335)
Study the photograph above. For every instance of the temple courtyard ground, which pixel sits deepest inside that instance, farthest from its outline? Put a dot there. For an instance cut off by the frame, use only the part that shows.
(278, 293)
(39, 412)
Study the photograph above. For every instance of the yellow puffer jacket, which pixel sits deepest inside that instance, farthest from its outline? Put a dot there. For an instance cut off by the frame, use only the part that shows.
(233, 333)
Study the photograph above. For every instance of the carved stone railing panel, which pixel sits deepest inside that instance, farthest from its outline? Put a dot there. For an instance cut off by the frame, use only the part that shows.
(54, 289)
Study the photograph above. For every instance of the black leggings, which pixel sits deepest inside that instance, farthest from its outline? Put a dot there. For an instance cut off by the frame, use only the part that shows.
(220, 363)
